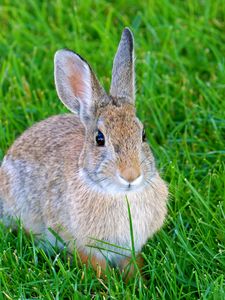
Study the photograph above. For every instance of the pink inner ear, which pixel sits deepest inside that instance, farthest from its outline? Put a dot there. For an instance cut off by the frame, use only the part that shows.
(79, 79)
(77, 85)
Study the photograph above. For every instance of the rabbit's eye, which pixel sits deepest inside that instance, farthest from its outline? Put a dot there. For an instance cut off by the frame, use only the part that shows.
(100, 139)
(143, 136)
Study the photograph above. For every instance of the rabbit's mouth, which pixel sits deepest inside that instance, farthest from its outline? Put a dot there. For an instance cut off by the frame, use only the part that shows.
(130, 185)
(116, 185)
(135, 182)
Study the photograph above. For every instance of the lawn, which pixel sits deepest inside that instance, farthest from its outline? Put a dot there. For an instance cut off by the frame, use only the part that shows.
(180, 78)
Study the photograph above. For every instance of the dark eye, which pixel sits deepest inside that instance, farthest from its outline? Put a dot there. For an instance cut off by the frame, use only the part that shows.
(143, 136)
(100, 139)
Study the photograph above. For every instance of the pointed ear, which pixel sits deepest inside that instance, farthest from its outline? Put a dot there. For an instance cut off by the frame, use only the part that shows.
(123, 85)
(76, 85)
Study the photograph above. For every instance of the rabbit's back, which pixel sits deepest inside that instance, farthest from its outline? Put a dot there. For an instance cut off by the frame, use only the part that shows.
(34, 167)
(49, 139)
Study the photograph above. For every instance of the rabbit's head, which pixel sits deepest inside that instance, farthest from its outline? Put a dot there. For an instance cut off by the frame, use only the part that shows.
(116, 157)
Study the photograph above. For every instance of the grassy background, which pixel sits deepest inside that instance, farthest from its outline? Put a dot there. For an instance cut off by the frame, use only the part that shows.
(180, 65)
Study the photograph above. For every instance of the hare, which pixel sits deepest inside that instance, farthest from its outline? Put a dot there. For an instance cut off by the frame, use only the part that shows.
(73, 172)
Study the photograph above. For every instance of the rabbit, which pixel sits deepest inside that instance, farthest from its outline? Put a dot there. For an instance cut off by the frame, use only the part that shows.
(73, 172)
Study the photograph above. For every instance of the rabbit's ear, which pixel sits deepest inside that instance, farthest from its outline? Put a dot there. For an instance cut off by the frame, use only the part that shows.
(76, 85)
(123, 85)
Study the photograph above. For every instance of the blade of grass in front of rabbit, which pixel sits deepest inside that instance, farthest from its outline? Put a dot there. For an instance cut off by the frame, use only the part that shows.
(133, 254)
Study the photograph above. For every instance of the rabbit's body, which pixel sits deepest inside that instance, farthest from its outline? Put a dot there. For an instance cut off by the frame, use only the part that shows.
(72, 173)
(58, 198)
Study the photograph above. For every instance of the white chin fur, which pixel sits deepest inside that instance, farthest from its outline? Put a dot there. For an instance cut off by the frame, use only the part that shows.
(120, 186)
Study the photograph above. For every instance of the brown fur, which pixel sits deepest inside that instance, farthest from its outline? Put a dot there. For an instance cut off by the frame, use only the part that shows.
(98, 264)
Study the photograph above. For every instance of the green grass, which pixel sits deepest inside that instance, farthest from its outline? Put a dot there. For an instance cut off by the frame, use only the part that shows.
(180, 65)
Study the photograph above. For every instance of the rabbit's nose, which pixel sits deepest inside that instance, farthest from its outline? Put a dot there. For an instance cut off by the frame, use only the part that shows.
(130, 175)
